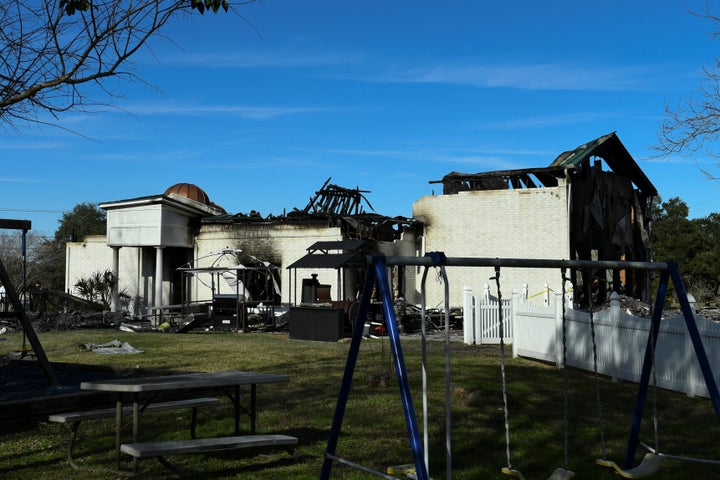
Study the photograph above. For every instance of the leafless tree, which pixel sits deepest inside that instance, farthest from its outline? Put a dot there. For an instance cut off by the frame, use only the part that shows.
(54, 53)
(694, 124)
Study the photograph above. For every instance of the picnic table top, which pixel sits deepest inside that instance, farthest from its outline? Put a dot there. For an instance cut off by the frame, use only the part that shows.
(183, 381)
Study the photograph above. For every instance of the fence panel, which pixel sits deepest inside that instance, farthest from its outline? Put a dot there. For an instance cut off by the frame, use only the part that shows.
(537, 330)
(614, 341)
(481, 319)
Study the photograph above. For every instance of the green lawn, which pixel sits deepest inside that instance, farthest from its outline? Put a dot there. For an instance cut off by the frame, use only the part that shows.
(374, 432)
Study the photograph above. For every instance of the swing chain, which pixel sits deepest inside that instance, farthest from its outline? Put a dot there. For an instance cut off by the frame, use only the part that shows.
(565, 372)
(438, 276)
(502, 366)
(595, 365)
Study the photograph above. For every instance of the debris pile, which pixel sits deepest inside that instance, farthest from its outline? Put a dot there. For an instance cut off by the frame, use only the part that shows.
(638, 308)
(631, 306)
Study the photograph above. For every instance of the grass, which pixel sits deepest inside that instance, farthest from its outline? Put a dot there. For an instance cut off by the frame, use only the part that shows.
(374, 432)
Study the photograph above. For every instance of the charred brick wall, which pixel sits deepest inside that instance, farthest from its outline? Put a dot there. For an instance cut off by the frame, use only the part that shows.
(278, 243)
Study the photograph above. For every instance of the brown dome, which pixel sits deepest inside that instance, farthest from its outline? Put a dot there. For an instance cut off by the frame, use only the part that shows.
(191, 191)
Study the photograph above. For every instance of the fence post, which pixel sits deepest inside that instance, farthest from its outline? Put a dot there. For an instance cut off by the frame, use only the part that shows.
(695, 381)
(614, 339)
(469, 333)
(559, 343)
(513, 323)
(692, 302)
(546, 297)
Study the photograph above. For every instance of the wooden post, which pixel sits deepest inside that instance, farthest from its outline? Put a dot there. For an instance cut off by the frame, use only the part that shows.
(19, 310)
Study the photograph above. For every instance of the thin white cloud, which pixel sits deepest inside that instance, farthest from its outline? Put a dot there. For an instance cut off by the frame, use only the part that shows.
(289, 58)
(162, 156)
(541, 76)
(493, 162)
(251, 112)
(270, 163)
(22, 180)
(541, 121)
(492, 158)
(34, 144)
(435, 154)
(369, 66)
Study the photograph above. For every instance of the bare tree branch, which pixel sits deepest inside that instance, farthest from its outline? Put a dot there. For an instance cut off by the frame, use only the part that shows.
(694, 125)
(53, 51)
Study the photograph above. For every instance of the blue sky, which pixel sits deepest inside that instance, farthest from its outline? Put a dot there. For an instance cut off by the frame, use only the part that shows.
(385, 96)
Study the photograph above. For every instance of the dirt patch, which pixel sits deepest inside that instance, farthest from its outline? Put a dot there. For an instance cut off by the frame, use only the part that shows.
(25, 379)
(27, 397)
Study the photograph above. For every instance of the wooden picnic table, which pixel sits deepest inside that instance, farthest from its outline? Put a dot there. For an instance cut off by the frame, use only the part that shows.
(140, 388)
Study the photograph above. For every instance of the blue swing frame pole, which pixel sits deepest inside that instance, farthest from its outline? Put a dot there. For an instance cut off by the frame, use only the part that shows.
(377, 273)
(696, 339)
(396, 348)
(673, 273)
(646, 370)
(348, 374)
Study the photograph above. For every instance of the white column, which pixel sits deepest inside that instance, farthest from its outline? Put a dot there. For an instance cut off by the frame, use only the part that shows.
(158, 278)
(114, 296)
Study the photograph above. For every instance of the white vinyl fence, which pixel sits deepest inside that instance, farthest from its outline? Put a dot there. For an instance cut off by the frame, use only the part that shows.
(535, 331)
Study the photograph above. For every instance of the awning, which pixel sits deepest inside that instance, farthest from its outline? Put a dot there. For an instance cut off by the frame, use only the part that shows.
(327, 260)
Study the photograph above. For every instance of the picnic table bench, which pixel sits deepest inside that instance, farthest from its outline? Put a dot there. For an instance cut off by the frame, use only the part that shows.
(229, 382)
(75, 418)
(204, 445)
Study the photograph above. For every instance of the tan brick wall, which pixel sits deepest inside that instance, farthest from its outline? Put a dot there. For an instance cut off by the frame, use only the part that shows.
(93, 255)
(280, 244)
(524, 223)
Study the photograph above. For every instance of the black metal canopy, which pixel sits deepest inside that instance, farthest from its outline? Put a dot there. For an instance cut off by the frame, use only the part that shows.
(345, 252)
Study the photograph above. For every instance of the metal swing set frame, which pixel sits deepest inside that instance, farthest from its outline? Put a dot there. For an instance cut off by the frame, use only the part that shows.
(377, 275)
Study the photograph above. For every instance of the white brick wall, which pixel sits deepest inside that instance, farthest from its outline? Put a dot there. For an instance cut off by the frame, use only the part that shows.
(84, 258)
(280, 244)
(93, 255)
(523, 223)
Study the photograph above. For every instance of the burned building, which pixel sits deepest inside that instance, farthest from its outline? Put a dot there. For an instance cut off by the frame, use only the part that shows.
(336, 219)
(179, 248)
(590, 203)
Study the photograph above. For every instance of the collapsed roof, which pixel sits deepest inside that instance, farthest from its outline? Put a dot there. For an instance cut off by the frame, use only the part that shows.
(336, 206)
(608, 148)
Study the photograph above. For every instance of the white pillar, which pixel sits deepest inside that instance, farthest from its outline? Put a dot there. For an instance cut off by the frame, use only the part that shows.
(114, 295)
(158, 278)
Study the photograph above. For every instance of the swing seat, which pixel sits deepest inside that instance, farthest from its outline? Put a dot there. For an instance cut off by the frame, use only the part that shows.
(558, 474)
(649, 466)
(682, 458)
